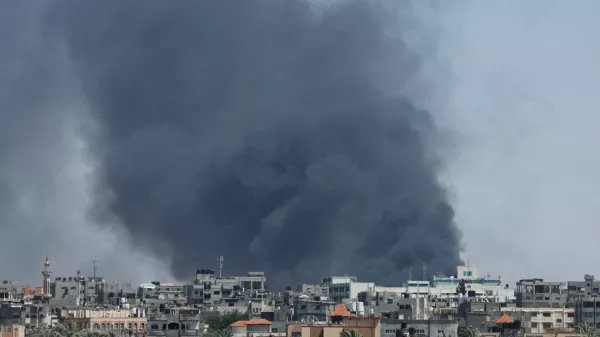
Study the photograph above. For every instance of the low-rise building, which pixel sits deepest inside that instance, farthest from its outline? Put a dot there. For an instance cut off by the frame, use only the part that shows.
(174, 322)
(12, 330)
(254, 328)
(133, 320)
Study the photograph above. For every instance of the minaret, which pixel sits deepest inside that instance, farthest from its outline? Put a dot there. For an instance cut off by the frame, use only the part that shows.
(46, 273)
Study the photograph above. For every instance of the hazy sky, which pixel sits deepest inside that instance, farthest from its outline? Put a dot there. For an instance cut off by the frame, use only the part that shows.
(515, 80)
(523, 94)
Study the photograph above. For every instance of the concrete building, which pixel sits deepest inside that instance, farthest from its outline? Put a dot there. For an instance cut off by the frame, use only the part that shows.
(341, 320)
(429, 328)
(311, 290)
(27, 315)
(542, 320)
(338, 292)
(477, 286)
(211, 291)
(537, 293)
(133, 320)
(175, 322)
(307, 310)
(255, 328)
(13, 330)
(587, 310)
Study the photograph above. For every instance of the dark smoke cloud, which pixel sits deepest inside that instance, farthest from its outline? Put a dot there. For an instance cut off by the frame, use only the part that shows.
(261, 131)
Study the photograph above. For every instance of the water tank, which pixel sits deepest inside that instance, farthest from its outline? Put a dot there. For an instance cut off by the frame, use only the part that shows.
(134, 311)
(354, 308)
(125, 306)
(361, 309)
(372, 311)
(123, 300)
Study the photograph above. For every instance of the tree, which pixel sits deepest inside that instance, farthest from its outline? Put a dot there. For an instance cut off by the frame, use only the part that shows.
(461, 288)
(227, 332)
(468, 332)
(223, 322)
(350, 333)
(586, 329)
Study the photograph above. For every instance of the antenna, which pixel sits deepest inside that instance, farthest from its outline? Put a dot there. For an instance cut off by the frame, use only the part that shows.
(424, 272)
(220, 265)
(410, 273)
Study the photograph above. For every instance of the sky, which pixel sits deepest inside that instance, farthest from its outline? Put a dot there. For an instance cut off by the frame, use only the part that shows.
(522, 96)
(513, 82)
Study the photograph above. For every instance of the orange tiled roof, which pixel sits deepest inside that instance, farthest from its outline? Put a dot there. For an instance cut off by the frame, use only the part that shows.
(505, 319)
(258, 321)
(340, 310)
(254, 321)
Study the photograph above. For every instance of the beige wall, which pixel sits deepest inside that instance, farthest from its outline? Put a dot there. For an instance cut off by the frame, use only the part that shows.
(544, 319)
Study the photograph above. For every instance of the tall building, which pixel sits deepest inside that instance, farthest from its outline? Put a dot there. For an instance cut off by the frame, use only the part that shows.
(46, 273)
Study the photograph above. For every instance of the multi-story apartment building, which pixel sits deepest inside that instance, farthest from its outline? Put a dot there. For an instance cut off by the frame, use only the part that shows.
(209, 290)
(537, 293)
(133, 320)
(542, 320)
(175, 322)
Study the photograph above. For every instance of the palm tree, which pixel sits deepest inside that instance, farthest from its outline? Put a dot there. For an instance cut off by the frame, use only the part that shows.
(586, 329)
(468, 332)
(350, 333)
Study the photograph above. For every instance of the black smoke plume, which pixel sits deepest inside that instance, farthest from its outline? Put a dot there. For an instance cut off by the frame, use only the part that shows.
(266, 131)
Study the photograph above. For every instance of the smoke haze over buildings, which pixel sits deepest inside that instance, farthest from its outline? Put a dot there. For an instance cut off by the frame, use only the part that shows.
(162, 134)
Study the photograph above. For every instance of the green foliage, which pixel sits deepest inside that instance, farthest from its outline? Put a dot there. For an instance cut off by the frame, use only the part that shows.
(350, 333)
(219, 333)
(462, 288)
(468, 332)
(587, 329)
(223, 322)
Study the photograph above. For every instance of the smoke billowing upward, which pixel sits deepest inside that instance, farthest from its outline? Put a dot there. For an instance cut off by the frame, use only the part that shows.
(262, 131)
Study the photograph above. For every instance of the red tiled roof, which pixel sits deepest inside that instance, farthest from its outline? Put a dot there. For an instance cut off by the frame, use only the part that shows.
(254, 321)
(505, 319)
(238, 324)
(340, 311)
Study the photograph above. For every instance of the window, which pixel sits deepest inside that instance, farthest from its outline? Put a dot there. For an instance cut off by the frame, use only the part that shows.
(273, 329)
(558, 320)
(440, 331)
(534, 325)
(547, 314)
(571, 314)
(130, 326)
(547, 298)
(390, 301)
(533, 314)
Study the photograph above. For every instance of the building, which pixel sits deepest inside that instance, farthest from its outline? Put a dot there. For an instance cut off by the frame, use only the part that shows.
(341, 320)
(133, 320)
(174, 322)
(542, 320)
(255, 328)
(340, 291)
(477, 286)
(211, 291)
(27, 315)
(429, 328)
(537, 293)
(13, 330)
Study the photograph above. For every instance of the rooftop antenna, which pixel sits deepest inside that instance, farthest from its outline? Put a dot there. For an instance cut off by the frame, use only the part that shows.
(424, 272)
(220, 265)
(410, 274)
